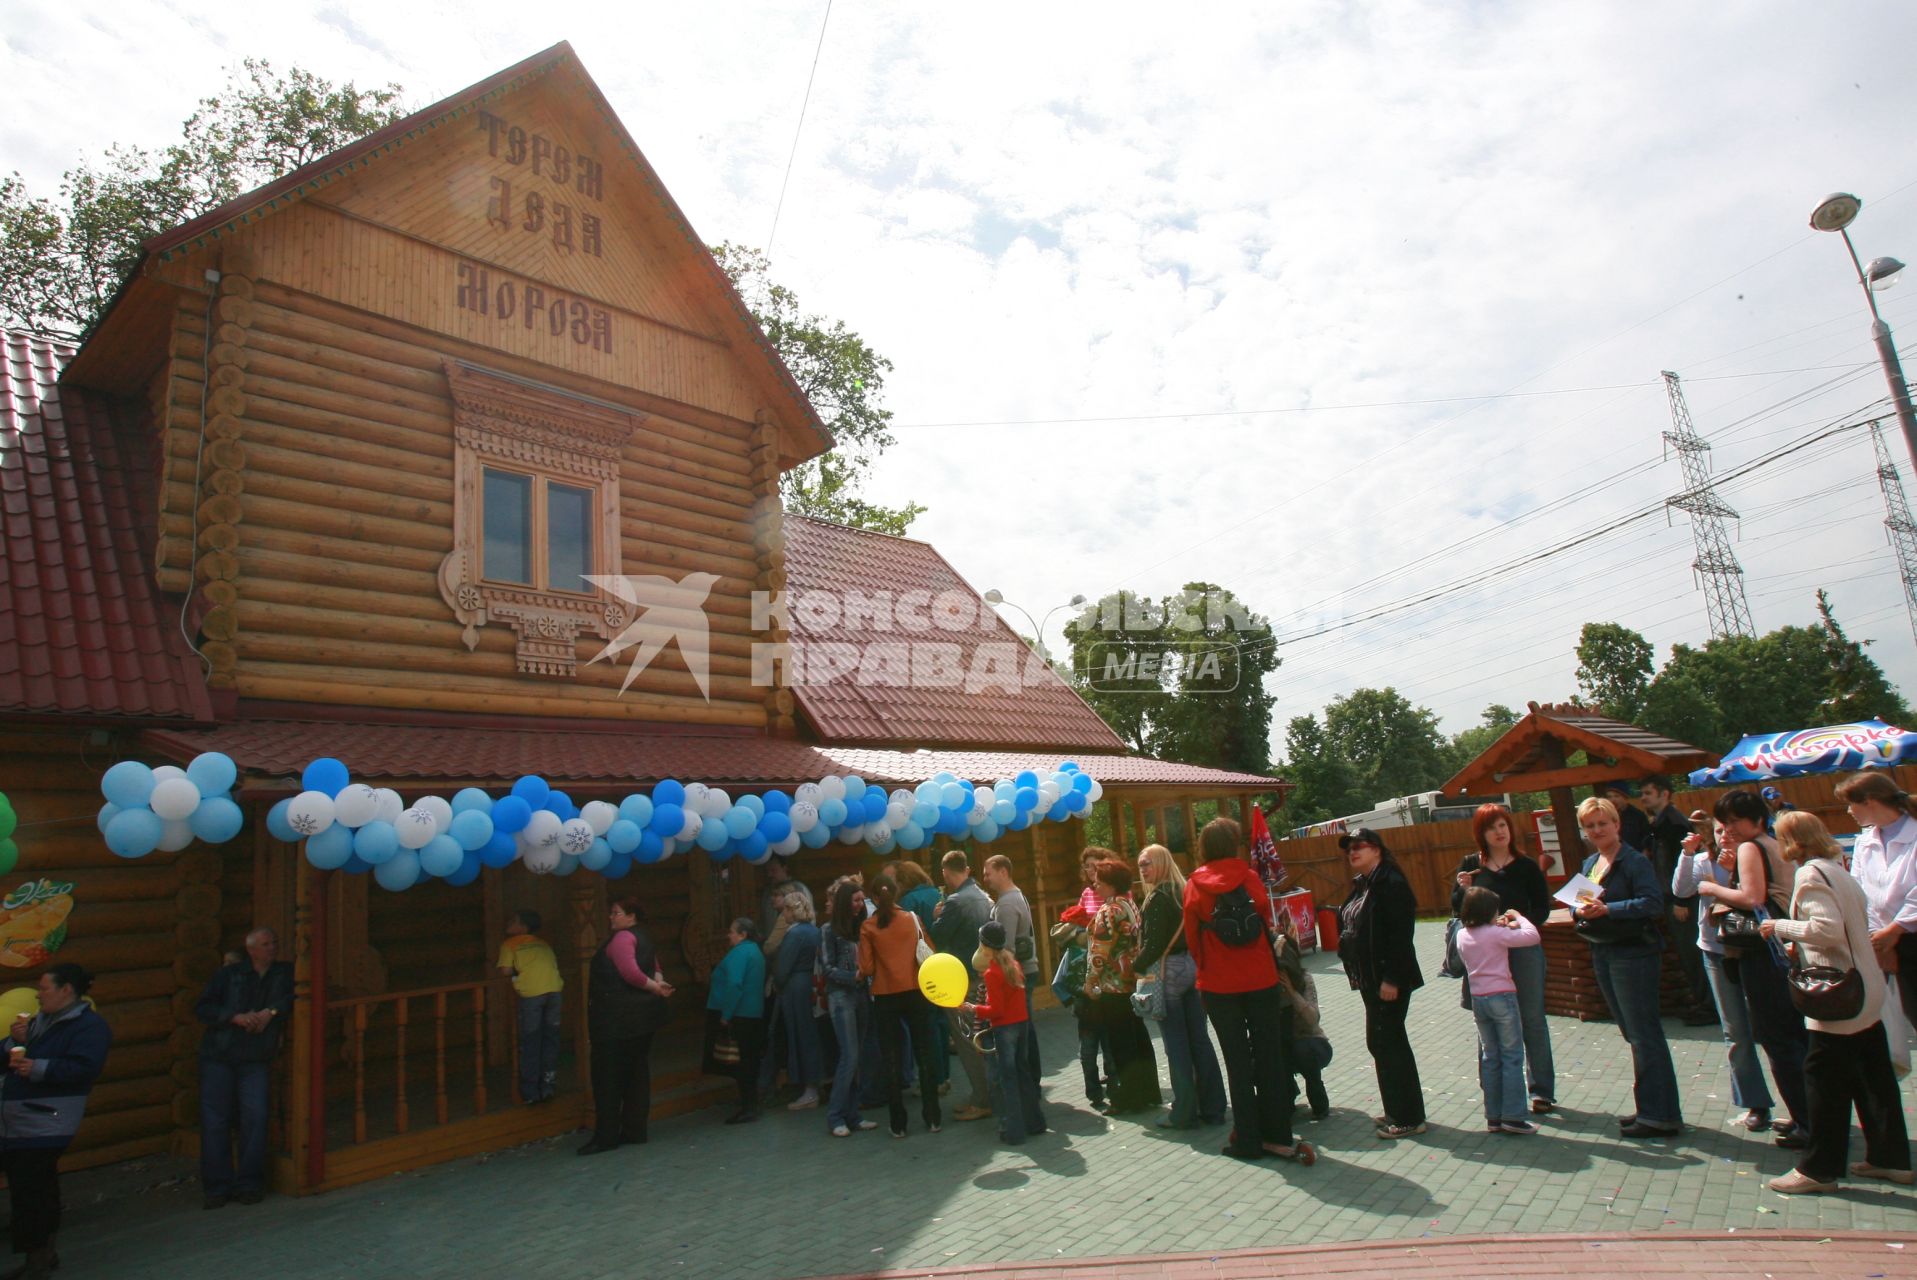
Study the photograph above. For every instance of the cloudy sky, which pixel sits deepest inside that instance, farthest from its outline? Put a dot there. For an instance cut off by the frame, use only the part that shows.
(1348, 307)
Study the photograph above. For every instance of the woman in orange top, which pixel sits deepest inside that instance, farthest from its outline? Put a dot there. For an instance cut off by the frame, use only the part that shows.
(888, 954)
(1014, 1089)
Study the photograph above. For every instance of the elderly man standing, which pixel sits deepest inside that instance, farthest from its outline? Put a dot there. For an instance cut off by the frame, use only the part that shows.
(1010, 909)
(244, 1008)
(955, 931)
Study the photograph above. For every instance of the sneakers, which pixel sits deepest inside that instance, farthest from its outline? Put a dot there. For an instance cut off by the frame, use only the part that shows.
(1865, 1169)
(867, 1125)
(900, 1133)
(934, 1128)
(1797, 1184)
(804, 1102)
(1520, 1127)
(840, 1131)
(1393, 1130)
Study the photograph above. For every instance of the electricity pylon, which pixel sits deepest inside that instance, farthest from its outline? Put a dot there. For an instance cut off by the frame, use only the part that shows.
(1716, 568)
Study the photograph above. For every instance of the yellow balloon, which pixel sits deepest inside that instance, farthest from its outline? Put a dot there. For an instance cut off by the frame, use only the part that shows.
(20, 1000)
(944, 980)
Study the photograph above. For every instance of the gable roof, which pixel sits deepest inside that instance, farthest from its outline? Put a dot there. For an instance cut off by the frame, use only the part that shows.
(83, 629)
(834, 560)
(264, 201)
(1528, 756)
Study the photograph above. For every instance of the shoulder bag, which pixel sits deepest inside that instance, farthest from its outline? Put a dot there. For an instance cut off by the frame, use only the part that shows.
(1822, 992)
(1148, 997)
(1453, 966)
(924, 949)
(1737, 927)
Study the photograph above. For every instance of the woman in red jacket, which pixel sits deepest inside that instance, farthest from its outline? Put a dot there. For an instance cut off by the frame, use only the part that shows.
(1226, 909)
(1014, 1089)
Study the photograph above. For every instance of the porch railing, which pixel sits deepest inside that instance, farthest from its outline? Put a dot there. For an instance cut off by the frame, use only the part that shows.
(398, 1011)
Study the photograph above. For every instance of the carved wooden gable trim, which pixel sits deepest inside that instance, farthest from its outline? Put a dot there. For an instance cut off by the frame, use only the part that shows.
(530, 428)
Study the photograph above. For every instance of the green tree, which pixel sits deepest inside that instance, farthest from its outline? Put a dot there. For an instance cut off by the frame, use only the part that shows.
(1391, 747)
(1323, 784)
(1471, 743)
(845, 381)
(1614, 669)
(1677, 707)
(62, 259)
(1858, 688)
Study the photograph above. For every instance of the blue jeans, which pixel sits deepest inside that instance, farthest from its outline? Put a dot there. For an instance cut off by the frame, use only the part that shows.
(1627, 977)
(1015, 1098)
(230, 1091)
(1528, 971)
(1198, 1086)
(851, 1013)
(539, 1022)
(1747, 1074)
(1500, 1055)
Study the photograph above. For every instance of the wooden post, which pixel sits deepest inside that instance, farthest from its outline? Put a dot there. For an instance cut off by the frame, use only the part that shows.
(1138, 826)
(1191, 831)
(479, 1053)
(1118, 824)
(359, 1073)
(1564, 810)
(586, 944)
(308, 1084)
(399, 1065)
(439, 1056)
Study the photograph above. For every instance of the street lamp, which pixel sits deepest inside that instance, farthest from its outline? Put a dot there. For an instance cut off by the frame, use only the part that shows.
(996, 597)
(1836, 213)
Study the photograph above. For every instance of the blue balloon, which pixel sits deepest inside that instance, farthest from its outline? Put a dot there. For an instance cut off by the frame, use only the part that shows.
(619, 868)
(1025, 798)
(1003, 811)
(468, 872)
(739, 821)
(967, 786)
(1082, 783)
(216, 820)
(724, 853)
(929, 792)
(854, 788)
(533, 790)
(925, 815)
(1025, 780)
(713, 836)
(355, 865)
(128, 784)
(872, 804)
(500, 850)
(985, 832)
(471, 830)
(376, 843)
(276, 824)
(511, 815)
(777, 802)
(832, 813)
(651, 848)
(623, 836)
(442, 856)
(775, 827)
(910, 836)
(212, 772)
(817, 837)
(752, 846)
(1058, 812)
(134, 832)
(1019, 822)
(753, 804)
(471, 799)
(331, 849)
(107, 811)
(637, 810)
(561, 804)
(951, 796)
(399, 872)
(667, 819)
(598, 856)
(1069, 766)
(1074, 801)
(326, 776)
(669, 791)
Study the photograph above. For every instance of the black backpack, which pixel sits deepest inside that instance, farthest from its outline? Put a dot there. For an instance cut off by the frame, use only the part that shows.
(1234, 920)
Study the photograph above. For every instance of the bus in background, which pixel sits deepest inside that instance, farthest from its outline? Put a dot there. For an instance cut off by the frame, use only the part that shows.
(1405, 811)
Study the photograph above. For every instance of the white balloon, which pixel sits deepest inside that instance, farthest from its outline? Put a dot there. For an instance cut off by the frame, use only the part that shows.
(696, 796)
(441, 809)
(667, 847)
(1091, 797)
(576, 836)
(599, 816)
(1048, 792)
(807, 793)
(543, 831)
(310, 813)
(167, 772)
(174, 800)
(787, 847)
(877, 833)
(851, 835)
(902, 796)
(690, 828)
(389, 806)
(175, 833)
(717, 802)
(896, 815)
(415, 828)
(804, 815)
(355, 805)
(543, 859)
(981, 809)
(832, 787)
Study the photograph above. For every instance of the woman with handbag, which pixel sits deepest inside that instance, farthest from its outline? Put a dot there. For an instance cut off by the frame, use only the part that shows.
(735, 1013)
(1841, 992)
(1502, 866)
(891, 942)
(626, 1004)
(1171, 996)
(1885, 864)
(1111, 953)
(1627, 951)
(1707, 857)
(1760, 889)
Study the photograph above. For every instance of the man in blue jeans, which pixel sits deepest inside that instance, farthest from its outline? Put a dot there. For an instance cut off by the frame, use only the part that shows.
(244, 1008)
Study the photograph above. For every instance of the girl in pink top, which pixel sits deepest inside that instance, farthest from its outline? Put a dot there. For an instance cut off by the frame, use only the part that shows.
(1485, 941)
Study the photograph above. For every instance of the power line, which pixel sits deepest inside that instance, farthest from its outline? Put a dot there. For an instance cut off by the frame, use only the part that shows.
(797, 129)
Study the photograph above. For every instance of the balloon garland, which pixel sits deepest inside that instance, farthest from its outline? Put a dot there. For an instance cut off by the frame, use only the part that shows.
(349, 826)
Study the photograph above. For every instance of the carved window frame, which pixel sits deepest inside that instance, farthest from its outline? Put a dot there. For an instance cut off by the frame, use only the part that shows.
(514, 424)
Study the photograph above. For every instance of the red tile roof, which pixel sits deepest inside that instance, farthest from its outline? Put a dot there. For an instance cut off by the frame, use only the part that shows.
(282, 748)
(834, 561)
(83, 628)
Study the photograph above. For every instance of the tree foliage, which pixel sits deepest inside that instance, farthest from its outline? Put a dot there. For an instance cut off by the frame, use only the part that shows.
(1182, 677)
(844, 378)
(62, 258)
(1858, 688)
(1392, 747)
(1614, 669)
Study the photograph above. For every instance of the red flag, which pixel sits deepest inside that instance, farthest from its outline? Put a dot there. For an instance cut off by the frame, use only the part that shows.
(1263, 851)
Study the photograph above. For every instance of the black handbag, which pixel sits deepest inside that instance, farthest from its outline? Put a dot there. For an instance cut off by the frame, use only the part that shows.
(1825, 993)
(1737, 927)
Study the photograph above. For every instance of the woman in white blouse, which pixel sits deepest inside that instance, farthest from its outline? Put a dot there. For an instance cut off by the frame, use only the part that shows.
(1848, 1064)
(1885, 864)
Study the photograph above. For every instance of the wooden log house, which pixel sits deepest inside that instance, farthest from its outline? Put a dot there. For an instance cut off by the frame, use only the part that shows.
(326, 480)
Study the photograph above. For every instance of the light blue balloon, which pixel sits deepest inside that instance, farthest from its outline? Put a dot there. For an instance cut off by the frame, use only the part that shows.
(216, 820)
(944, 776)
(472, 800)
(598, 857)
(568, 863)
(1003, 811)
(442, 856)
(831, 813)
(1004, 789)
(854, 788)
(329, 850)
(400, 870)
(985, 832)
(376, 843)
(713, 836)
(925, 813)
(951, 796)
(213, 773)
(929, 792)
(817, 838)
(740, 821)
(134, 832)
(276, 824)
(754, 803)
(637, 810)
(623, 836)
(128, 784)
(107, 811)
(909, 836)
(470, 829)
